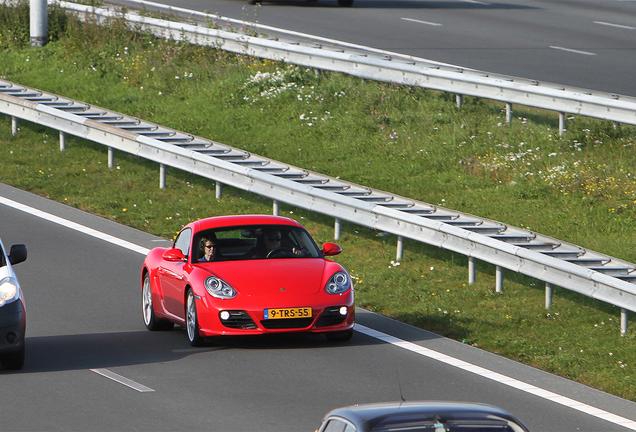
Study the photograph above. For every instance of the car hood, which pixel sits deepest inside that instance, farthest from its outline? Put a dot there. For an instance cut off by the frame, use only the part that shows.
(272, 276)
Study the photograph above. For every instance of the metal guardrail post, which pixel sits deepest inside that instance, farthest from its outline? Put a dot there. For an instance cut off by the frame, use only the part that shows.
(499, 279)
(219, 190)
(460, 100)
(471, 270)
(337, 229)
(62, 141)
(624, 320)
(400, 248)
(276, 209)
(561, 123)
(549, 291)
(508, 112)
(162, 176)
(39, 23)
(111, 157)
(14, 125)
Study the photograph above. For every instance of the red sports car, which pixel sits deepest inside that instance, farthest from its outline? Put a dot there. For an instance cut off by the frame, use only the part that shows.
(246, 275)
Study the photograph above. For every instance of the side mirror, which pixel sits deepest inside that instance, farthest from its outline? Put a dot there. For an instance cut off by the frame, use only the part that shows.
(174, 255)
(331, 249)
(17, 254)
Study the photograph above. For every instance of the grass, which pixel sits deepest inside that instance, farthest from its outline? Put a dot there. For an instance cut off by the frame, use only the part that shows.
(413, 142)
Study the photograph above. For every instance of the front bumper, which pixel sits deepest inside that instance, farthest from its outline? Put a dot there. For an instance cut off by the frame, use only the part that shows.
(12, 327)
(250, 320)
(329, 317)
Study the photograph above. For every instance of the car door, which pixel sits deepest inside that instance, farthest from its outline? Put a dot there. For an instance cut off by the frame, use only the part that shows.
(173, 277)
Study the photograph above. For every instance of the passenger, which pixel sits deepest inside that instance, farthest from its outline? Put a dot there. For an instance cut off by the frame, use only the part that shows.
(208, 247)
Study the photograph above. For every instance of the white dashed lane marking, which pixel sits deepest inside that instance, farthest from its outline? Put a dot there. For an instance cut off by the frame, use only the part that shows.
(122, 380)
(573, 51)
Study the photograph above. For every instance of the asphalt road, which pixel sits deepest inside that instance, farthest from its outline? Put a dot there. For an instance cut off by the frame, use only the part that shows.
(582, 43)
(84, 324)
(83, 294)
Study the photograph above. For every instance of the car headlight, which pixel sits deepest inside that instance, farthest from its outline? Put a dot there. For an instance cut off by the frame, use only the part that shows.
(218, 288)
(338, 283)
(9, 291)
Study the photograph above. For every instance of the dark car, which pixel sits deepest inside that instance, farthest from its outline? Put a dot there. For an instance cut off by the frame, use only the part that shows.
(12, 311)
(427, 416)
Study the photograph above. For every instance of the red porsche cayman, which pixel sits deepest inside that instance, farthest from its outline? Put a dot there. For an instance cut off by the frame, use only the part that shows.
(246, 275)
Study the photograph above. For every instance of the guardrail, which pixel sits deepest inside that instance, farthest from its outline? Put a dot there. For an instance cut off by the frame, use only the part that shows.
(556, 263)
(379, 66)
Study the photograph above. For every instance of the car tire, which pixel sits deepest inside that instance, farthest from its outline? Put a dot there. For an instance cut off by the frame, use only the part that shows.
(345, 3)
(192, 321)
(150, 319)
(341, 336)
(13, 361)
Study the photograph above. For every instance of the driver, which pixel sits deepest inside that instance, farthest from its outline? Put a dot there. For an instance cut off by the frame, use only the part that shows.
(271, 241)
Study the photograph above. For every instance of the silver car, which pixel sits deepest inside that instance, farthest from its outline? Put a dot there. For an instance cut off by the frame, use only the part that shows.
(12, 310)
(426, 416)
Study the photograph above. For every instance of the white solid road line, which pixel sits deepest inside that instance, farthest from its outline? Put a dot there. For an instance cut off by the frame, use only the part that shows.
(74, 226)
(122, 380)
(257, 25)
(469, 367)
(495, 376)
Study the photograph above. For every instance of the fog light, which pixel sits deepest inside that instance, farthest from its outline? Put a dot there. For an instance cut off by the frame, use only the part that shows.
(11, 338)
(343, 310)
(225, 315)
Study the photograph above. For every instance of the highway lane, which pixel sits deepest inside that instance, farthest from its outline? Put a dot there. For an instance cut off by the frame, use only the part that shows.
(84, 317)
(581, 43)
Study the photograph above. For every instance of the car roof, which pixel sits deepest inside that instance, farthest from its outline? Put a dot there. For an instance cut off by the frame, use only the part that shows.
(236, 220)
(372, 414)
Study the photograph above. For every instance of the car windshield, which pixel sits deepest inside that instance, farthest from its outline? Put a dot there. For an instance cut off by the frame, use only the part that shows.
(488, 423)
(253, 242)
(476, 425)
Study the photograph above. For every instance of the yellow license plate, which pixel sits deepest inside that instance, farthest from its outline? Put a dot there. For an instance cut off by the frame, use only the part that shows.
(301, 312)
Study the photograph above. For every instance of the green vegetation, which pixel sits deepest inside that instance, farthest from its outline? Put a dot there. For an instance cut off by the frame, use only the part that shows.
(413, 142)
